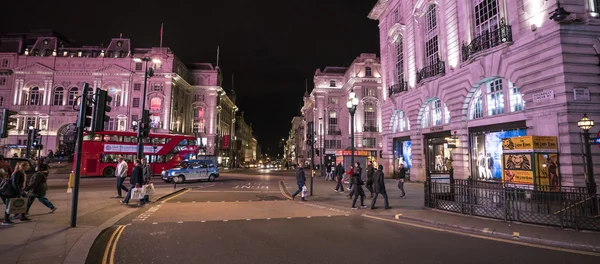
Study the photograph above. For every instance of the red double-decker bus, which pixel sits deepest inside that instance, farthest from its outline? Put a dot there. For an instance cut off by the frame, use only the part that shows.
(163, 151)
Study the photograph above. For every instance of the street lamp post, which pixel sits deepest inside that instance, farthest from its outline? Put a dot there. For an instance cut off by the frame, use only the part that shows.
(586, 124)
(351, 104)
(321, 145)
(147, 73)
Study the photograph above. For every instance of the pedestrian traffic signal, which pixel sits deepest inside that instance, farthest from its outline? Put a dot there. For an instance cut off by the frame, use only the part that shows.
(6, 120)
(101, 108)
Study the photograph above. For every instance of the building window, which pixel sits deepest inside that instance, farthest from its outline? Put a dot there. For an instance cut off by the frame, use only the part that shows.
(122, 124)
(369, 142)
(332, 123)
(72, 95)
(370, 124)
(399, 61)
(136, 103)
(134, 118)
(157, 87)
(486, 16)
(333, 100)
(431, 36)
(333, 144)
(1, 100)
(155, 104)
(199, 98)
(2, 81)
(33, 96)
(396, 15)
(399, 122)
(4, 63)
(476, 109)
(332, 83)
(30, 122)
(495, 97)
(138, 66)
(369, 92)
(137, 86)
(59, 95)
(433, 115)
(516, 98)
(368, 72)
(110, 124)
(116, 95)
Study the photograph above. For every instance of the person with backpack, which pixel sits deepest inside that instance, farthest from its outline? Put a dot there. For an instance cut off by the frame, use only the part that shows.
(37, 187)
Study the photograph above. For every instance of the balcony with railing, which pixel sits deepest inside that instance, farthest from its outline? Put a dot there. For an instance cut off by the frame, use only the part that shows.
(398, 88)
(487, 40)
(370, 129)
(434, 69)
(337, 132)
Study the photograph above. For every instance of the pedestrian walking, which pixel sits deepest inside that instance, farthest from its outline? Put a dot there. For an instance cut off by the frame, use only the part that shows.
(357, 173)
(147, 173)
(121, 174)
(37, 187)
(357, 190)
(379, 188)
(401, 178)
(350, 174)
(370, 172)
(339, 171)
(328, 168)
(5, 182)
(17, 181)
(136, 181)
(300, 180)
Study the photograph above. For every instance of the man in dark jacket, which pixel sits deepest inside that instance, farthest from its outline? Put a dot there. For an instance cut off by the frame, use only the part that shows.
(147, 177)
(401, 179)
(300, 180)
(357, 174)
(357, 189)
(136, 180)
(339, 171)
(379, 184)
(37, 188)
(370, 172)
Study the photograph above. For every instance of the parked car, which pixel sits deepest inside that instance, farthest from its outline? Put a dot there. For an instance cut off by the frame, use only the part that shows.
(192, 170)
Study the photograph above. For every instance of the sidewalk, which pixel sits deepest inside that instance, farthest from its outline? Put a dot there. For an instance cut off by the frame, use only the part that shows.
(411, 209)
(48, 238)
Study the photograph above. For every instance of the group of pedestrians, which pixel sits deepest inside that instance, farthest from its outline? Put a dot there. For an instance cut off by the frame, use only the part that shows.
(141, 175)
(375, 183)
(21, 182)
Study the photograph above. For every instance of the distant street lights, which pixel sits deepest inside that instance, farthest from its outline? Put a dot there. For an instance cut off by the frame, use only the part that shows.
(586, 124)
(148, 72)
(351, 104)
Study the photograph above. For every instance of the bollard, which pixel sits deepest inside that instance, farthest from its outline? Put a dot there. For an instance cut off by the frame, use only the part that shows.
(71, 182)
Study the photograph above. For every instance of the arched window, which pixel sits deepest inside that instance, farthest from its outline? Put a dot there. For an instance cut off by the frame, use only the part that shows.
(435, 113)
(72, 95)
(155, 104)
(493, 101)
(59, 95)
(115, 93)
(33, 96)
(399, 122)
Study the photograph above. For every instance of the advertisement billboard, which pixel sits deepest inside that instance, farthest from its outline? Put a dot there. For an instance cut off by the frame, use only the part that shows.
(407, 154)
(492, 159)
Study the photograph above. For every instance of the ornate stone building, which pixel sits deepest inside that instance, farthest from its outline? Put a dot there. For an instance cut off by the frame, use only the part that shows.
(460, 77)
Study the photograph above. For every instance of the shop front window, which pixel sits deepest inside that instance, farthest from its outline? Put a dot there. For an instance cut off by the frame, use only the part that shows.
(486, 153)
(438, 155)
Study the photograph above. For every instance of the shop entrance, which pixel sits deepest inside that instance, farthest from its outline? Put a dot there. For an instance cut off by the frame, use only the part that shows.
(438, 153)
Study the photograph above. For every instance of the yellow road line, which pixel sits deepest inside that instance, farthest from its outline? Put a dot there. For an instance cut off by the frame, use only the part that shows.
(485, 237)
(281, 184)
(114, 246)
(177, 195)
(110, 240)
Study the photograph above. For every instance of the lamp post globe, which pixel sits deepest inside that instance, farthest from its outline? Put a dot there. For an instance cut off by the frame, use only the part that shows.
(585, 123)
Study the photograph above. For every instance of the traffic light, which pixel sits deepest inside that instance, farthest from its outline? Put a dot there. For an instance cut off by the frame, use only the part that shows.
(6, 120)
(36, 138)
(101, 108)
(144, 125)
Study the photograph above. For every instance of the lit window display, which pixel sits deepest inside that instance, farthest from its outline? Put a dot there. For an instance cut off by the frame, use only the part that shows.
(486, 153)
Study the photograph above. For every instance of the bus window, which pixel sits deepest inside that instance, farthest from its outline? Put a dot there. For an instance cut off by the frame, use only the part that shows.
(88, 137)
(191, 143)
(183, 142)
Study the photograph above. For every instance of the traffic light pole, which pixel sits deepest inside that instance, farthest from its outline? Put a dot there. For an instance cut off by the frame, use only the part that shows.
(312, 157)
(140, 150)
(79, 140)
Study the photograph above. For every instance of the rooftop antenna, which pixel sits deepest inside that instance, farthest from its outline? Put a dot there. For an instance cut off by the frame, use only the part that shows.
(120, 35)
(161, 33)
(232, 81)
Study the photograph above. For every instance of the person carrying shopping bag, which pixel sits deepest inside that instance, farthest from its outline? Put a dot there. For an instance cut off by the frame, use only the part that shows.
(136, 181)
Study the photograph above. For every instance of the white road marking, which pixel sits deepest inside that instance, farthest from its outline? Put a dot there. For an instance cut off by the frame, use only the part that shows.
(289, 218)
(155, 223)
(180, 222)
(203, 221)
(225, 220)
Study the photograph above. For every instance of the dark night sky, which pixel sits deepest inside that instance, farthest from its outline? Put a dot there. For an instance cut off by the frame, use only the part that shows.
(271, 46)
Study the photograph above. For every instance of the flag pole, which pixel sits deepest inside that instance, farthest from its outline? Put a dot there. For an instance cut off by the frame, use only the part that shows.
(161, 34)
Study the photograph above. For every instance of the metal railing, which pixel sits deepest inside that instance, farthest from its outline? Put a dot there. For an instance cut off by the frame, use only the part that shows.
(436, 68)
(334, 132)
(370, 129)
(398, 88)
(487, 40)
(565, 207)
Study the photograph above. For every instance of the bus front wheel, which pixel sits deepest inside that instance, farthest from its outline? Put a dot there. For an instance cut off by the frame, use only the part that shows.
(108, 172)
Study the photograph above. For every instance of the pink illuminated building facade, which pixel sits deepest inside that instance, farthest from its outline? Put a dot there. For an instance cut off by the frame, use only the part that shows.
(461, 75)
(42, 73)
(326, 107)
